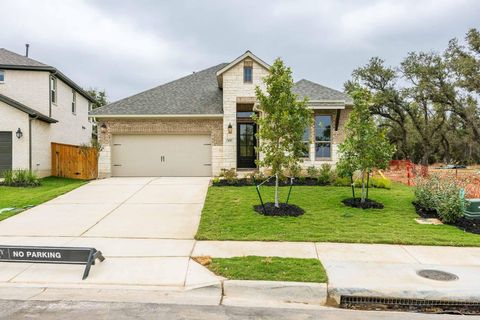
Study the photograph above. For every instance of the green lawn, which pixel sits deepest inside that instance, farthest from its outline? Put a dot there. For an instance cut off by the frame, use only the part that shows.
(228, 215)
(269, 268)
(20, 197)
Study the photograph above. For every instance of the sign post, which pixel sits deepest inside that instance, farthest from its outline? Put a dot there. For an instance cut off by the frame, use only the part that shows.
(54, 255)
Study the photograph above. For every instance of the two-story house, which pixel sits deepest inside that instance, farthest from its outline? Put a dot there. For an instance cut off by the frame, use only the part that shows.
(201, 124)
(38, 105)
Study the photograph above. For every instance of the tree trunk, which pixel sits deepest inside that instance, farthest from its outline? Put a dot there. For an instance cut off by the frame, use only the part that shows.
(362, 200)
(353, 186)
(368, 181)
(276, 191)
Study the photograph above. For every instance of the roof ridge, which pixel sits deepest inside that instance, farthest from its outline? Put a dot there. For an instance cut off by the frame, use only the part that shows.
(24, 57)
(162, 85)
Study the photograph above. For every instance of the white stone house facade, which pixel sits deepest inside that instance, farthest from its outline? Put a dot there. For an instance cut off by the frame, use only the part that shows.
(38, 105)
(200, 124)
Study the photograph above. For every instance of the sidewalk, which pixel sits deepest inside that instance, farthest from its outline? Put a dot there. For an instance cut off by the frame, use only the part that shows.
(372, 269)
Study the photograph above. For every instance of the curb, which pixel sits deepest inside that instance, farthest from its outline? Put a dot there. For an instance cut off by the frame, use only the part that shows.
(273, 293)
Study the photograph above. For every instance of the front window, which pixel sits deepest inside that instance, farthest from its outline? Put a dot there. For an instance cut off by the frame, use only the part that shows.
(323, 142)
(53, 89)
(2, 76)
(74, 102)
(306, 142)
(247, 74)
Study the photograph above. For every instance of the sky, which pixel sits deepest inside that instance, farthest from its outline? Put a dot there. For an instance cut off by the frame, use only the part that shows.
(128, 46)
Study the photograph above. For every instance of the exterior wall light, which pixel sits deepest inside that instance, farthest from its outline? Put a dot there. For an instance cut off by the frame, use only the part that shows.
(19, 133)
(230, 128)
(103, 128)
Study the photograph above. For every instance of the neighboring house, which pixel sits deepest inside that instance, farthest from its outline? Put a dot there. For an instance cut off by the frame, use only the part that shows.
(201, 124)
(38, 105)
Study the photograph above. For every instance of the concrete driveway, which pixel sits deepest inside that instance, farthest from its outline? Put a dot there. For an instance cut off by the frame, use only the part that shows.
(144, 226)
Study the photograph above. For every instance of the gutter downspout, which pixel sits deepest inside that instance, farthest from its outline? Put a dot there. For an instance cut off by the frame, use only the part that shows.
(30, 119)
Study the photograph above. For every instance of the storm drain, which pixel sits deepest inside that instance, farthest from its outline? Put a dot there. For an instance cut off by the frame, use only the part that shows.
(437, 275)
(414, 305)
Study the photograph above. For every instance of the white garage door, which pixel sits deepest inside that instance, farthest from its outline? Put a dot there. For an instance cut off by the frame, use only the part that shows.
(161, 155)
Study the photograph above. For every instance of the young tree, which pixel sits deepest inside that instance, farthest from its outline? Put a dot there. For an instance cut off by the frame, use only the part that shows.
(366, 146)
(281, 124)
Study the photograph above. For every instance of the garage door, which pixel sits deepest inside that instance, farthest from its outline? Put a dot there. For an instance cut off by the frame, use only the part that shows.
(5, 151)
(161, 155)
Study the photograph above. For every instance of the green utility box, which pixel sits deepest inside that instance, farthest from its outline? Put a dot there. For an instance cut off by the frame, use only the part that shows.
(472, 211)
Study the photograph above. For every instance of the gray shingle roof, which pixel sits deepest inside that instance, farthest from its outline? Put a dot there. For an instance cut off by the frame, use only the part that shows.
(315, 91)
(14, 59)
(20, 106)
(195, 94)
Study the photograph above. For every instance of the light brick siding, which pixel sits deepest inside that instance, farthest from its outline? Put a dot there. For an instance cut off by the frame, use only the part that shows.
(159, 126)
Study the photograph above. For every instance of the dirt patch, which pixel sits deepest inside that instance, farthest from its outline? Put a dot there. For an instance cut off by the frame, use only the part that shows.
(357, 203)
(464, 224)
(283, 210)
(203, 260)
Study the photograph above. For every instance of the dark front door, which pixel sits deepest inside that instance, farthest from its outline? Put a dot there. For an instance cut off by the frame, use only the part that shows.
(5, 151)
(246, 143)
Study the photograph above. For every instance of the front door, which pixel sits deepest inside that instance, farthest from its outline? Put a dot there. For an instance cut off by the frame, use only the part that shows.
(246, 143)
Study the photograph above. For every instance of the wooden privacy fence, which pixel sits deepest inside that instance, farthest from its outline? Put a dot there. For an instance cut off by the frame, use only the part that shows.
(75, 162)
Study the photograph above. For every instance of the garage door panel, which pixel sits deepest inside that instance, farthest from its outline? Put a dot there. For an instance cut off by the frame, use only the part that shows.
(5, 151)
(161, 155)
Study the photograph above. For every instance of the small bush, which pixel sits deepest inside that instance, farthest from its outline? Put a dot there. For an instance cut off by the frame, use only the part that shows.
(380, 182)
(229, 175)
(312, 172)
(325, 174)
(443, 195)
(342, 182)
(20, 178)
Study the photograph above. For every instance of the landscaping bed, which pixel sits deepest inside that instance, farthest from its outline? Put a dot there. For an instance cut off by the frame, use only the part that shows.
(266, 268)
(284, 209)
(464, 224)
(228, 214)
(357, 203)
(21, 197)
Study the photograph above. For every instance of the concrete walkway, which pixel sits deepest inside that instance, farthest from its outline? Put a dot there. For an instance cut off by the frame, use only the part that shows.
(372, 269)
(143, 226)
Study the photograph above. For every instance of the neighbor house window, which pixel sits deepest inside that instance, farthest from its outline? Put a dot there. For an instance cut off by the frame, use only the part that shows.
(323, 142)
(74, 102)
(306, 142)
(2, 76)
(248, 71)
(53, 89)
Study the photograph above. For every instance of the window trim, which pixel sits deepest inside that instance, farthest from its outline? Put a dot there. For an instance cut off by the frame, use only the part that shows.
(74, 102)
(322, 141)
(308, 143)
(4, 73)
(53, 90)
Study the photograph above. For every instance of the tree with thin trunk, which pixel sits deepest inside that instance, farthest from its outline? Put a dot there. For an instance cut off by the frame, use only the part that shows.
(281, 122)
(366, 146)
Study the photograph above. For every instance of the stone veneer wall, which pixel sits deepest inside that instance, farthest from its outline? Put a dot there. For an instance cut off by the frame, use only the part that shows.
(160, 126)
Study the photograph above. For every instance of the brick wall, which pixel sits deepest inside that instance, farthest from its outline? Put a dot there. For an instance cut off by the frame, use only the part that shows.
(160, 126)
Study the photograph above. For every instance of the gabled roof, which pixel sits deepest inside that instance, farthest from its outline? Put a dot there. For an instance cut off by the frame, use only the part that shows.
(316, 93)
(13, 61)
(195, 94)
(247, 54)
(31, 112)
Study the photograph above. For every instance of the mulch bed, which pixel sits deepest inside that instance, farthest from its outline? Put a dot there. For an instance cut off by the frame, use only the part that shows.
(368, 204)
(464, 224)
(284, 210)
(242, 182)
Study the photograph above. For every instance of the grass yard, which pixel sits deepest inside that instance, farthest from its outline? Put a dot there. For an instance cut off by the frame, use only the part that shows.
(269, 268)
(15, 197)
(228, 215)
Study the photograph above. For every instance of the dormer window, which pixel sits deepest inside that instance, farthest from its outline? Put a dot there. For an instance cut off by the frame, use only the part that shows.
(53, 89)
(248, 71)
(2, 76)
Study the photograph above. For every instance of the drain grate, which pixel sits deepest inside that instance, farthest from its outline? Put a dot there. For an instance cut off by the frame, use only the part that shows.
(405, 304)
(437, 275)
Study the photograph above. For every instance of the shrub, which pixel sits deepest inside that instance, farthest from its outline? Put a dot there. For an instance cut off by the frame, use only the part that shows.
(443, 195)
(229, 175)
(20, 178)
(380, 182)
(259, 176)
(342, 181)
(325, 174)
(312, 172)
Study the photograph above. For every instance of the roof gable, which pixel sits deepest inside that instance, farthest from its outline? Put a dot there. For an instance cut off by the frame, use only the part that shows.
(31, 112)
(247, 54)
(14, 59)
